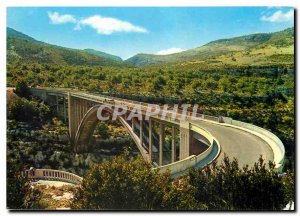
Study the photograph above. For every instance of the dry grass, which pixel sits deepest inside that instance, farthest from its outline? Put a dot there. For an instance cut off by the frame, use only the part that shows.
(54, 197)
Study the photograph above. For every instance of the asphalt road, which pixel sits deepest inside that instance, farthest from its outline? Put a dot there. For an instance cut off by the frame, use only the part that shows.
(237, 143)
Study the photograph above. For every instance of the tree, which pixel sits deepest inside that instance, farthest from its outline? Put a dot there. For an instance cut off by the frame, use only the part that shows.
(211, 84)
(22, 89)
(158, 83)
(102, 130)
(226, 187)
(285, 71)
(127, 183)
(121, 184)
(31, 111)
(225, 84)
(20, 195)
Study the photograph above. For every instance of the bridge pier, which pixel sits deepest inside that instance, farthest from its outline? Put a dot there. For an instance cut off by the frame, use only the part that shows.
(71, 121)
(57, 105)
(141, 132)
(65, 112)
(173, 156)
(132, 124)
(185, 139)
(161, 142)
(150, 140)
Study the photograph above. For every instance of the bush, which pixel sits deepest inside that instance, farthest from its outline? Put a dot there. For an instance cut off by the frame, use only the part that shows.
(32, 111)
(20, 195)
(226, 187)
(22, 89)
(131, 184)
(125, 183)
(102, 130)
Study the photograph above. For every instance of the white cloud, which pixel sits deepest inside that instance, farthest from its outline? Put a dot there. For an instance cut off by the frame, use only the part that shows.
(56, 18)
(169, 51)
(279, 16)
(108, 25)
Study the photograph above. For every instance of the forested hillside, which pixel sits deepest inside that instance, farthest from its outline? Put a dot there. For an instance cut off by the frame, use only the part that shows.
(256, 49)
(103, 54)
(24, 49)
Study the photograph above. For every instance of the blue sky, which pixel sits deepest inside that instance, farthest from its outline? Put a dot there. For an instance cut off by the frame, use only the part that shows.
(126, 31)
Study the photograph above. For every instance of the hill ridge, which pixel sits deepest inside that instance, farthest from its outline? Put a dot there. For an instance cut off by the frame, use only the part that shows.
(23, 48)
(219, 47)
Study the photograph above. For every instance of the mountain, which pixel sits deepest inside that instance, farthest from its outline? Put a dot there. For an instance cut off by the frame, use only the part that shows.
(261, 48)
(103, 54)
(25, 49)
(275, 48)
(13, 33)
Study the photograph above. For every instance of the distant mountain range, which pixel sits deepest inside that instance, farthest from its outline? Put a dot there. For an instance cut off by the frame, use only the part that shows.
(259, 48)
(25, 49)
(103, 54)
(254, 49)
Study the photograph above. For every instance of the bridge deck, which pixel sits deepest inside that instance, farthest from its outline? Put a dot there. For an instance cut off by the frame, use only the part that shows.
(246, 147)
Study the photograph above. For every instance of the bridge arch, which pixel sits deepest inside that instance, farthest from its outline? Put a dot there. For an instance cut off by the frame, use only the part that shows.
(88, 124)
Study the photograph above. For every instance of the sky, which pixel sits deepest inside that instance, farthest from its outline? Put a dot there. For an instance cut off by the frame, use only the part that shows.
(126, 31)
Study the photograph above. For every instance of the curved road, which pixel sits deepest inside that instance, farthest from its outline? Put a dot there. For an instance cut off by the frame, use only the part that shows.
(246, 147)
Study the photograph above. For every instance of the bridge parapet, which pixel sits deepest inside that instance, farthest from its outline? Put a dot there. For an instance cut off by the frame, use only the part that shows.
(53, 175)
(273, 141)
(204, 158)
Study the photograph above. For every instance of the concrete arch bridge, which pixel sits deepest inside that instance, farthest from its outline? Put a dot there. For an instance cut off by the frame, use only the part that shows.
(169, 142)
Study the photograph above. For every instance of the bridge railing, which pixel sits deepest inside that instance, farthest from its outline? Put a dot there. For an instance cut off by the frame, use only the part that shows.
(53, 175)
(211, 118)
(274, 142)
(193, 160)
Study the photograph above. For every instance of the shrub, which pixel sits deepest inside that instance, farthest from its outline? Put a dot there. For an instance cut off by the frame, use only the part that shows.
(22, 89)
(129, 184)
(226, 187)
(32, 111)
(20, 195)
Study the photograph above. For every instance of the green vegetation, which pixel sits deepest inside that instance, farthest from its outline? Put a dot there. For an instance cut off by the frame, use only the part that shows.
(249, 78)
(31, 111)
(226, 187)
(126, 183)
(103, 54)
(20, 195)
(261, 95)
(39, 139)
(255, 49)
(22, 89)
(24, 49)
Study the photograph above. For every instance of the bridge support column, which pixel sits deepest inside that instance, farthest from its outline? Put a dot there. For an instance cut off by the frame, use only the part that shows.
(57, 105)
(150, 141)
(141, 132)
(161, 142)
(71, 109)
(75, 115)
(81, 108)
(65, 110)
(173, 145)
(79, 111)
(132, 123)
(185, 137)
